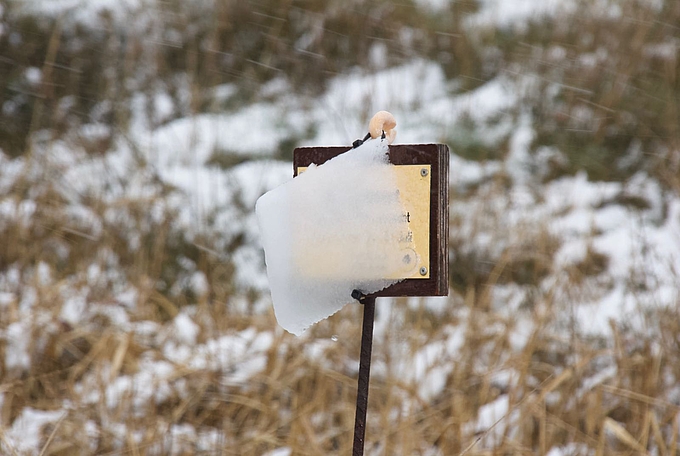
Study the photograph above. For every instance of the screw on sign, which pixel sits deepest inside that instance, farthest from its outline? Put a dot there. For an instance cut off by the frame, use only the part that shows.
(357, 223)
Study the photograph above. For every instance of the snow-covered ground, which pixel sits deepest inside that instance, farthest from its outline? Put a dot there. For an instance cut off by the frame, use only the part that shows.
(500, 210)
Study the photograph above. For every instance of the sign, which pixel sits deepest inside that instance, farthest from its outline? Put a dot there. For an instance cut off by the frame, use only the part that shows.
(422, 180)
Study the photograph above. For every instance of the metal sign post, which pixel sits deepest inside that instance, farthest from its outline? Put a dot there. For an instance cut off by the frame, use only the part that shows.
(364, 372)
(423, 183)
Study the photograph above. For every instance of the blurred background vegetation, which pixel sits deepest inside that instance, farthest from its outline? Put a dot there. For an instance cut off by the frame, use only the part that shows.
(599, 83)
(617, 71)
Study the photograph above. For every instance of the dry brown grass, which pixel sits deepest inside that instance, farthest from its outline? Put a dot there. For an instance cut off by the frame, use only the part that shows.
(603, 396)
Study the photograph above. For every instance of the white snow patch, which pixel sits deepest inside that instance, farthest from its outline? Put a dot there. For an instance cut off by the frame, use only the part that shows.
(199, 283)
(33, 75)
(18, 340)
(239, 356)
(285, 451)
(86, 12)
(517, 13)
(186, 330)
(571, 449)
(492, 420)
(151, 383)
(27, 433)
(6, 298)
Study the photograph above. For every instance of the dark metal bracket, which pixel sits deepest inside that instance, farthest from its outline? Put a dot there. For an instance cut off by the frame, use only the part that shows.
(359, 142)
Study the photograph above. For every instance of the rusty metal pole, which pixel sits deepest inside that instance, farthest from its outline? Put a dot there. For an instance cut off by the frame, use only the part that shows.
(364, 372)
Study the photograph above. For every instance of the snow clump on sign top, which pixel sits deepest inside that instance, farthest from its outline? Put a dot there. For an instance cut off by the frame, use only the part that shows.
(335, 228)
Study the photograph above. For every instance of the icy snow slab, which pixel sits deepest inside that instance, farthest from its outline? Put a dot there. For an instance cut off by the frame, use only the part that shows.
(334, 228)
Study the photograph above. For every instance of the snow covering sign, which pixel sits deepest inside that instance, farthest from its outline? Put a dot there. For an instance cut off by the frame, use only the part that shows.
(335, 228)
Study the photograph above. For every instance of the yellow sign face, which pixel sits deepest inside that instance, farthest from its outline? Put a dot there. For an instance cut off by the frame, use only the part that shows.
(414, 183)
